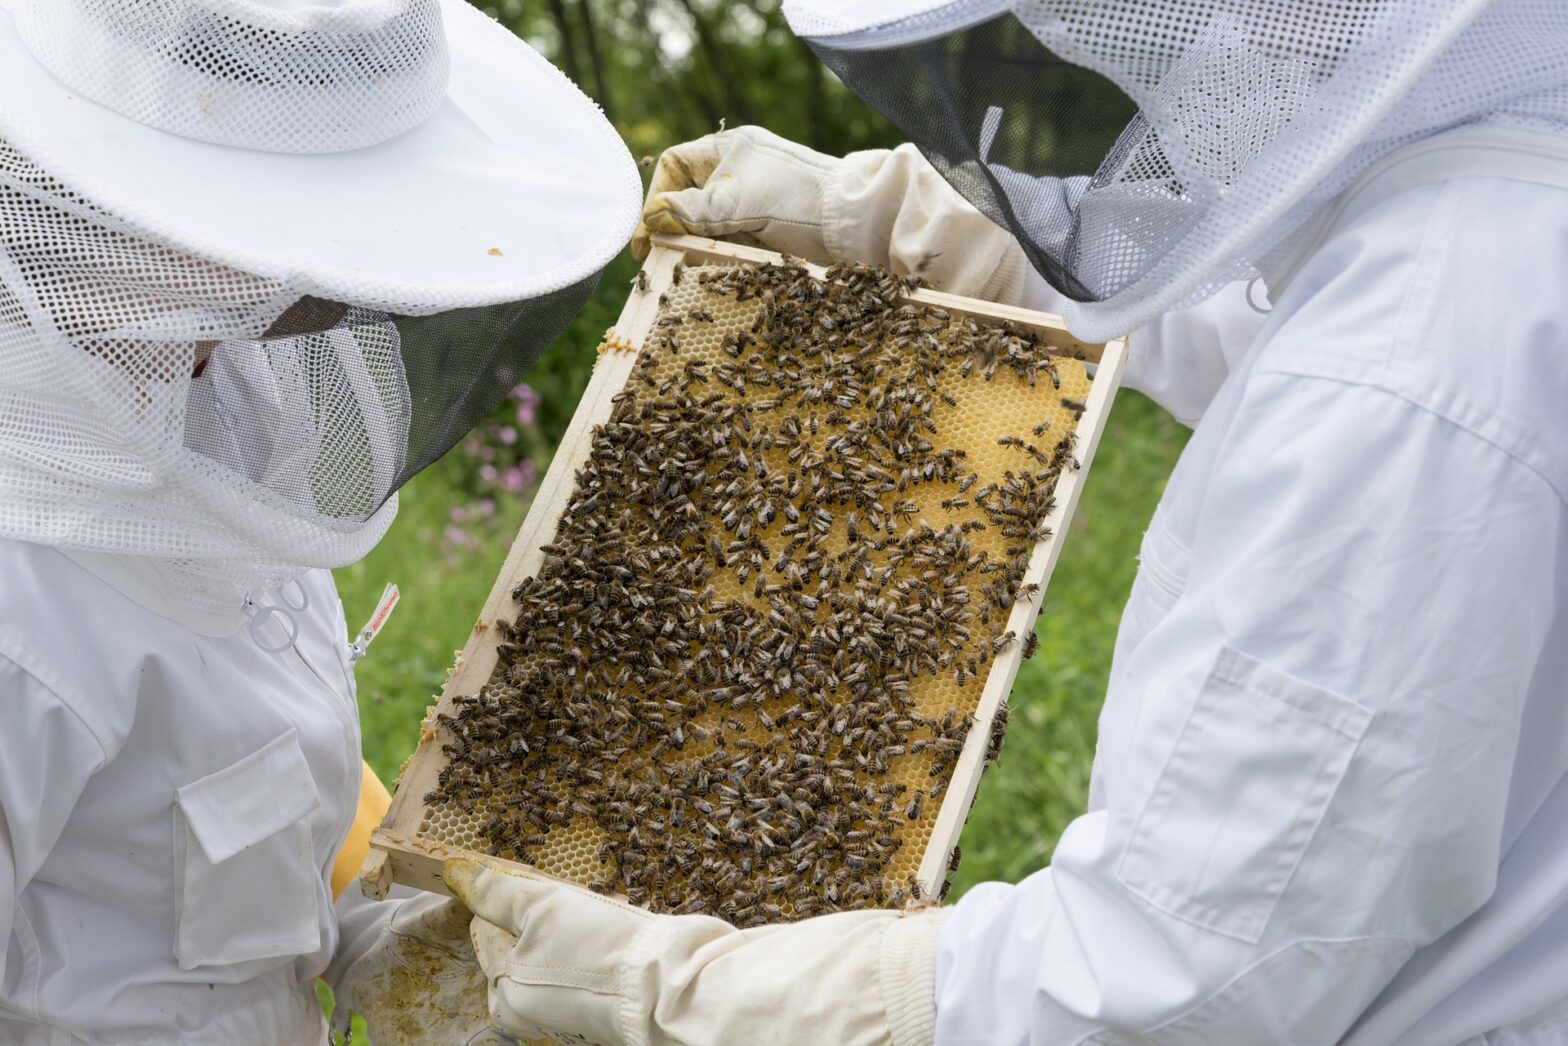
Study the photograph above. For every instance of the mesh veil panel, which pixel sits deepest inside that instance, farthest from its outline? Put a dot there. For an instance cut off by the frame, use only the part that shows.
(481, 355)
(1146, 153)
(353, 403)
(156, 404)
(1006, 122)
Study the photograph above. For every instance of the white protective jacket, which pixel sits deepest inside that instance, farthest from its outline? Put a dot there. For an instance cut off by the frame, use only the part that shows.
(1329, 802)
(170, 805)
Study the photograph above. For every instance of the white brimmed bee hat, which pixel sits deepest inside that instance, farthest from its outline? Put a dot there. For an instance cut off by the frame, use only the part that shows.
(263, 260)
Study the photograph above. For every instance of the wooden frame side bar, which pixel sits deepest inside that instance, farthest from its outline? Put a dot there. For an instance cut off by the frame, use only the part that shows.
(960, 793)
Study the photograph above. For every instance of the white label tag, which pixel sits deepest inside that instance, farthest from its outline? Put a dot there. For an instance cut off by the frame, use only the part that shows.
(378, 619)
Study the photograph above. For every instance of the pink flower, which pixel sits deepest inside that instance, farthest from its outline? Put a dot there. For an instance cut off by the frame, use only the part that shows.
(487, 507)
(527, 398)
(506, 434)
(487, 473)
(456, 535)
(471, 445)
(503, 375)
(527, 469)
(458, 513)
(513, 479)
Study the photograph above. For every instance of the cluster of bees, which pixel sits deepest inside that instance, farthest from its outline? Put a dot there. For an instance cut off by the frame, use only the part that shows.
(735, 671)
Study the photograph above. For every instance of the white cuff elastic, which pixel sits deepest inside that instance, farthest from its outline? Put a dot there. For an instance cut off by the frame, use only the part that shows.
(909, 977)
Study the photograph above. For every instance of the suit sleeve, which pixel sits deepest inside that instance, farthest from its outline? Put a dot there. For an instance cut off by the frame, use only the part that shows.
(1306, 758)
(47, 756)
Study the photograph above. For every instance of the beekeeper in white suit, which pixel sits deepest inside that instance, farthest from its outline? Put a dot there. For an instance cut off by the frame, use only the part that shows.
(1329, 801)
(260, 262)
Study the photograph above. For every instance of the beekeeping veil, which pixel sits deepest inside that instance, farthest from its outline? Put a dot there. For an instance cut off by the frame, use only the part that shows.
(1145, 152)
(261, 261)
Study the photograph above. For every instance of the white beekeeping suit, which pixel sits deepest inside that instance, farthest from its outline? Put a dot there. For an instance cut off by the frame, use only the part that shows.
(261, 261)
(1330, 797)
(1330, 769)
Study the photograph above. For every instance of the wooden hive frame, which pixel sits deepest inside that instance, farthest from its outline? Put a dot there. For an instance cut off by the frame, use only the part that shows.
(397, 851)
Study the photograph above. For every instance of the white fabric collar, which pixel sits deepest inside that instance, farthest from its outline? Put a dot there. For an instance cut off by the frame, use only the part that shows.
(148, 583)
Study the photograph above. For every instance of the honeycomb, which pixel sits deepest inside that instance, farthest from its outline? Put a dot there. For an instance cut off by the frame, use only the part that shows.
(993, 417)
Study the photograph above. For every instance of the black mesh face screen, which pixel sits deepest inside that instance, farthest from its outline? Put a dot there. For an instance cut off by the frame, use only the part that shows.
(336, 407)
(1019, 132)
(462, 364)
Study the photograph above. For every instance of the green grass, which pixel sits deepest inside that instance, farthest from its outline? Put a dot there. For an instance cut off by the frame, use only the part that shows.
(1025, 800)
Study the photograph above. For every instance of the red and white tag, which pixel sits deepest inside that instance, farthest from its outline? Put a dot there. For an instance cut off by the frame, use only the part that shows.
(378, 620)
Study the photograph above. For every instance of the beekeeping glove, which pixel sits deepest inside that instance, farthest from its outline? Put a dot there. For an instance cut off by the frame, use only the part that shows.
(879, 207)
(747, 185)
(566, 963)
(890, 207)
(415, 981)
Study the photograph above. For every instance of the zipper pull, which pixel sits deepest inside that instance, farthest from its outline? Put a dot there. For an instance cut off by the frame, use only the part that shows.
(378, 620)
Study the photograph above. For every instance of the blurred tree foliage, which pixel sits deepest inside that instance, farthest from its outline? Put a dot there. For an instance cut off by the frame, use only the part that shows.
(667, 71)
